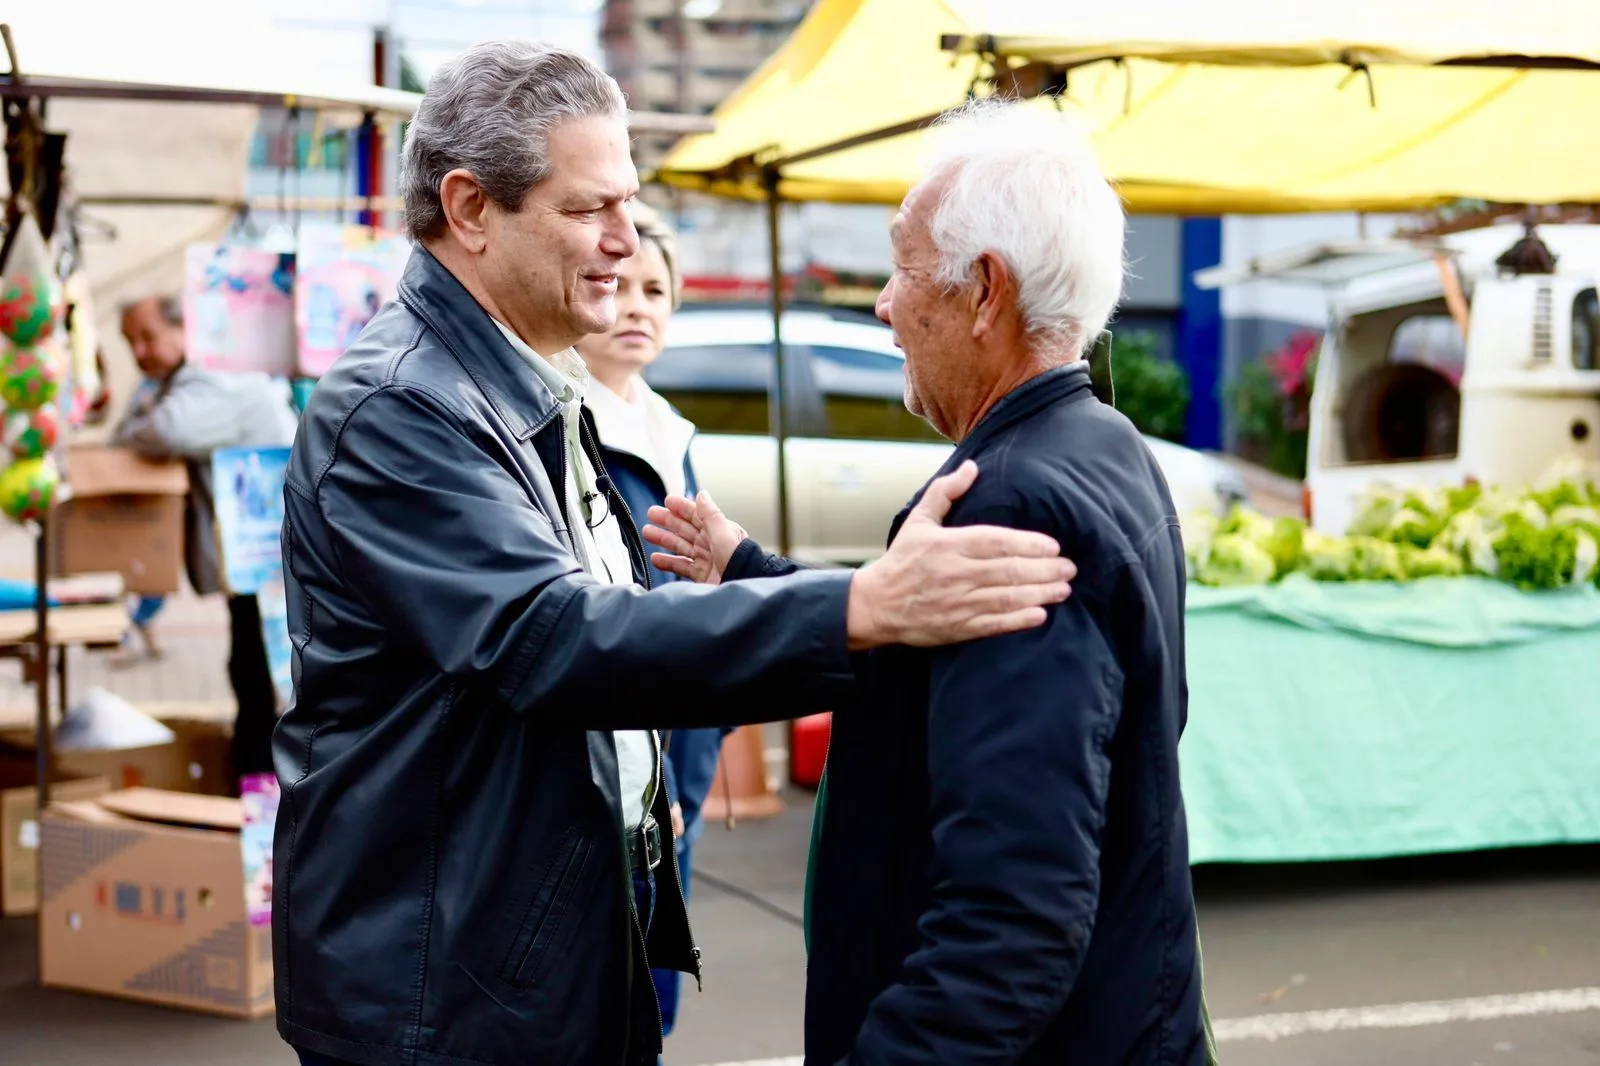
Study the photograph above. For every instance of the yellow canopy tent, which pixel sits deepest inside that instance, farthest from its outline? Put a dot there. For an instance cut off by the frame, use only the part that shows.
(1252, 32)
(1249, 108)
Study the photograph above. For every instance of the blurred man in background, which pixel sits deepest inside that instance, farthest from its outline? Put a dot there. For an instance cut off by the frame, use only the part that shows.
(183, 412)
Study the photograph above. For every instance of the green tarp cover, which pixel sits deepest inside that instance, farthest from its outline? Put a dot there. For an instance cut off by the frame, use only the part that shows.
(1331, 721)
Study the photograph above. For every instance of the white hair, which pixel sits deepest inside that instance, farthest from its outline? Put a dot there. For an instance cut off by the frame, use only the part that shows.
(490, 111)
(1023, 183)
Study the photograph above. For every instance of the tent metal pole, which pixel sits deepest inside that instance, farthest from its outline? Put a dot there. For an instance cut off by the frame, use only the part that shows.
(777, 400)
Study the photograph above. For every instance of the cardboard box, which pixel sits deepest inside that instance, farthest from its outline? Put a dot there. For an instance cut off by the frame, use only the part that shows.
(122, 513)
(19, 830)
(199, 759)
(144, 898)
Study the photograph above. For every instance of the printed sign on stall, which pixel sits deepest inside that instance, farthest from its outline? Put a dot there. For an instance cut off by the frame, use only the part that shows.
(238, 308)
(345, 273)
(247, 492)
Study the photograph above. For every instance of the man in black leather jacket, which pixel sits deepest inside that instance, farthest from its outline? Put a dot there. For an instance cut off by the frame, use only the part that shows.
(473, 861)
(1001, 869)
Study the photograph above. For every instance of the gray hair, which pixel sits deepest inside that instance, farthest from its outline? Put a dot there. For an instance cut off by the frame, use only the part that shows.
(170, 308)
(490, 111)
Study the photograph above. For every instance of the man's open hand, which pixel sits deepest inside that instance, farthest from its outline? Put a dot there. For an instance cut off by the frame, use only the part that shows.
(696, 537)
(942, 586)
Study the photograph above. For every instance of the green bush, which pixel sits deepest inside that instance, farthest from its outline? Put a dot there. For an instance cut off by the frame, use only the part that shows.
(1153, 392)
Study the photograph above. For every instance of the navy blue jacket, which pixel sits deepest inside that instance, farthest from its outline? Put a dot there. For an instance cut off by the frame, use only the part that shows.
(691, 757)
(1003, 870)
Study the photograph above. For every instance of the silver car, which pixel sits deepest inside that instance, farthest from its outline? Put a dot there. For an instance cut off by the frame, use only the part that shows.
(855, 455)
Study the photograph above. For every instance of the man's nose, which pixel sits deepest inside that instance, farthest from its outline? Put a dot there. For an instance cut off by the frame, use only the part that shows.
(621, 239)
(881, 308)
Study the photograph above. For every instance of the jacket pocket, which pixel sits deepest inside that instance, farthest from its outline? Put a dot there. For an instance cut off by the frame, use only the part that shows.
(546, 915)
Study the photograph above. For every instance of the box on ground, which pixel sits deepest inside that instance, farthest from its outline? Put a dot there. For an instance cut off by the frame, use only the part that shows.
(123, 513)
(144, 897)
(198, 759)
(19, 829)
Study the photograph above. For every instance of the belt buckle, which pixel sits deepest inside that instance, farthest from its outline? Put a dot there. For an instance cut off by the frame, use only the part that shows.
(650, 830)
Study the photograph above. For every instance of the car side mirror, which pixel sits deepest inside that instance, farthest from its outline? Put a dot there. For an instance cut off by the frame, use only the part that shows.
(1100, 370)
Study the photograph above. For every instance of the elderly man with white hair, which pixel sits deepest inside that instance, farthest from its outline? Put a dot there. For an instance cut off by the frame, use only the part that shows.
(474, 858)
(1001, 872)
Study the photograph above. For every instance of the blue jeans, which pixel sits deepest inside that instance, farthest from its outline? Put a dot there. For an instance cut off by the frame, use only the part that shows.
(147, 608)
(692, 764)
(644, 898)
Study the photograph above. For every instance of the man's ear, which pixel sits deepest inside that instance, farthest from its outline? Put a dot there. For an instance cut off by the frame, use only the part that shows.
(465, 207)
(986, 299)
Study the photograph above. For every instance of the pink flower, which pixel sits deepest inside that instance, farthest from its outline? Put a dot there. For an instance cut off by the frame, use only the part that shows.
(1291, 364)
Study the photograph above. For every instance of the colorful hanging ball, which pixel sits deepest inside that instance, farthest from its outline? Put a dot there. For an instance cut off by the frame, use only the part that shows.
(32, 434)
(28, 378)
(27, 487)
(30, 306)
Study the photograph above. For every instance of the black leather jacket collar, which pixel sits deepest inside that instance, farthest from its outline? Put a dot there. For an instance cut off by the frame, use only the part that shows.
(435, 295)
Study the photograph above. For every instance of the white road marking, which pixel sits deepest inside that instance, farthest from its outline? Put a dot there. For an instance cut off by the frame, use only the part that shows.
(1409, 1015)
(1387, 1016)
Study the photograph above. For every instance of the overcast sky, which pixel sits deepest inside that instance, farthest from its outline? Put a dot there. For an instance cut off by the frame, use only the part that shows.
(431, 31)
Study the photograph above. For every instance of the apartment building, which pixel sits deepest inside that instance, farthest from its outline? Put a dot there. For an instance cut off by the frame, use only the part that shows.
(687, 56)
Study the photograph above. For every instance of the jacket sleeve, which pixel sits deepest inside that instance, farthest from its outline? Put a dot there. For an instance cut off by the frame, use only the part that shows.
(750, 560)
(435, 534)
(196, 418)
(1018, 728)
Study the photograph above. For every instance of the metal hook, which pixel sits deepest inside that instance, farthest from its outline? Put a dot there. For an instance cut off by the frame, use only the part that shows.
(1361, 68)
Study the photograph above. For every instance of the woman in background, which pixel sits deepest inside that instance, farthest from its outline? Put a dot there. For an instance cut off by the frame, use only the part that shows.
(645, 445)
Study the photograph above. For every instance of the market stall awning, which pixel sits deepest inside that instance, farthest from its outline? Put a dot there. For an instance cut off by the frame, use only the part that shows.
(243, 59)
(1552, 33)
(183, 52)
(1283, 132)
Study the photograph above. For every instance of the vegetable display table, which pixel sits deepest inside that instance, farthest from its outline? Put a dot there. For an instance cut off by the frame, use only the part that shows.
(1339, 721)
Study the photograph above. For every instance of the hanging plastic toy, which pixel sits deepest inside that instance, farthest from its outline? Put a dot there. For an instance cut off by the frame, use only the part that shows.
(27, 487)
(30, 307)
(32, 434)
(28, 377)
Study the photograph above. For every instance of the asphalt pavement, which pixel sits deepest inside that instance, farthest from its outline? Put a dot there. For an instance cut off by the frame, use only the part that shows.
(1489, 959)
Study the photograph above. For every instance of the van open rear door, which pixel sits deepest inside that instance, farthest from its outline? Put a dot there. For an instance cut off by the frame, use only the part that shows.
(1359, 278)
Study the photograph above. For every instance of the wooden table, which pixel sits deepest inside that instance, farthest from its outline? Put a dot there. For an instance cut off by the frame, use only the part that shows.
(67, 625)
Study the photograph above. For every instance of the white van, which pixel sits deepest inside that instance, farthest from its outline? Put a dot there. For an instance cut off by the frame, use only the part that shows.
(1405, 397)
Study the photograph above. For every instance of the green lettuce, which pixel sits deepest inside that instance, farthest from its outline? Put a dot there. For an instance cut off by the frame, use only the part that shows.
(1236, 560)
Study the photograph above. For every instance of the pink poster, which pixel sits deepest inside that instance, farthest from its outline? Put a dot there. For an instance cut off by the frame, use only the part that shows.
(238, 308)
(259, 795)
(345, 273)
